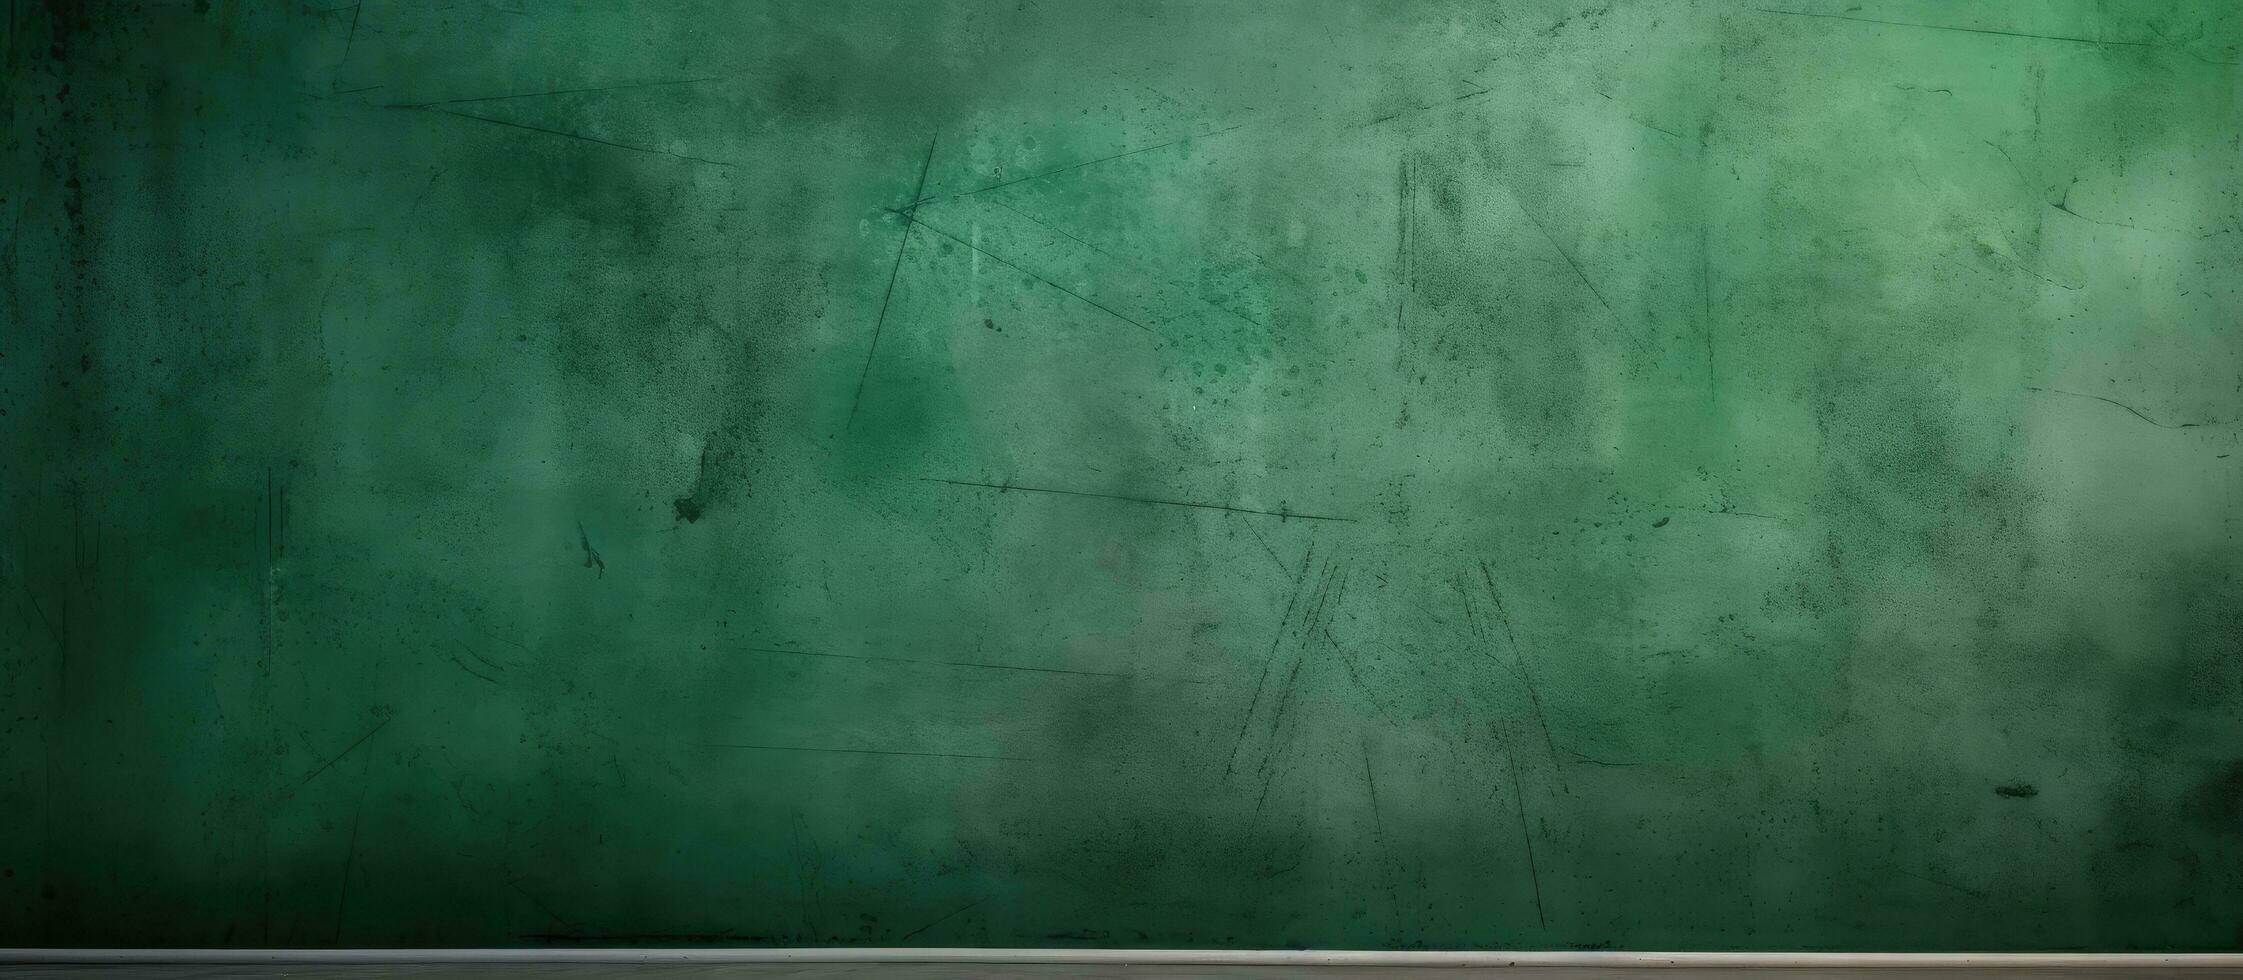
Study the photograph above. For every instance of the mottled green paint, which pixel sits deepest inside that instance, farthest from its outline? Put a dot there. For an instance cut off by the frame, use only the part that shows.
(1781, 467)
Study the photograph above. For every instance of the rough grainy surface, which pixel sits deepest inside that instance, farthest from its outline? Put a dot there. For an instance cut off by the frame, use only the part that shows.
(1030, 472)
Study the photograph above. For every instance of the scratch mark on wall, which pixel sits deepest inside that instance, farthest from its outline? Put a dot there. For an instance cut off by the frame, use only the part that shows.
(2130, 410)
(1283, 515)
(580, 137)
(845, 751)
(592, 557)
(370, 733)
(559, 91)
(1526, 673)
(1268, 660)
(957, 663)
(1039, 277)
(961, 910)
(1070, 168)
(1526, 836)
(880, 322)
(2098, 42)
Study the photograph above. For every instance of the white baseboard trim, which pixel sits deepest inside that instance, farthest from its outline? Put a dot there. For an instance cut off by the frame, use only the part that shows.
(1141, 957)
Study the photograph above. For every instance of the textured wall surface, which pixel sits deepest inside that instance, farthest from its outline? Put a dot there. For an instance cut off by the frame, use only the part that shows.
(1558, 473)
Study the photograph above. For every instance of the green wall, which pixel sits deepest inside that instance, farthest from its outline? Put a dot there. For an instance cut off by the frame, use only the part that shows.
(1648, 475)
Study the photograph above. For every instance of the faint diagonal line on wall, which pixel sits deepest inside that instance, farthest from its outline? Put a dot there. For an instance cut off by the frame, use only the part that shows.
(912, 216)
(892, 752)
(881, 322)
(623, 87)
(1078, 166)
(1966, 30)
(1006, 487)
(574, 136)
(965, 664)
